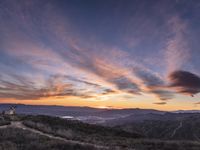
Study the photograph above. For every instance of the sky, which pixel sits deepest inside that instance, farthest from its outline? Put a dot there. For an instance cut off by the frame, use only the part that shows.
(101, 53)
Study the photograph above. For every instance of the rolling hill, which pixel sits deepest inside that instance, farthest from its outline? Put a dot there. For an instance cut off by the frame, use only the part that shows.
(28, 132)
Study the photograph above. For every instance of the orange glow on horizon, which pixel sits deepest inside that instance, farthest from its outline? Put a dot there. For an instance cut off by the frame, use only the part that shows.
(107, 104)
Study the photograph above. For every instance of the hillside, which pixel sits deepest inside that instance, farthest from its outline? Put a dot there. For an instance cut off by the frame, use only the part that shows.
(168, 126)
(25, 132)
(19, 139)
(110, 128)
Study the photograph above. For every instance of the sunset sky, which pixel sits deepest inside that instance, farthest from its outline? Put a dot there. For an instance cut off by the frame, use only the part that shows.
(101, 53)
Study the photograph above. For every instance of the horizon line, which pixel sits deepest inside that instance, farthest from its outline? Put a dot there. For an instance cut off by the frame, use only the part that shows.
(108, 108)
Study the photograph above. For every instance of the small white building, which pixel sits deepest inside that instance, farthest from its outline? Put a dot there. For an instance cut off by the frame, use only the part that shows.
(11, 111)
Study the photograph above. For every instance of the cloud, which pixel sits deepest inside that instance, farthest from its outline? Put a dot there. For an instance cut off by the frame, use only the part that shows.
(71, 59)
(148, 78)
(185, 82)
(24, 88)
(124, 84)
(108, 91)
(160, 103)
(47, 39)
(176, 52)
(154, 84)
(105, 68)
(163, 94)
(197, 103)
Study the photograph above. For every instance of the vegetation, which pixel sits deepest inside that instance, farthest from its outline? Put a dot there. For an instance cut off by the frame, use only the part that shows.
(183, 129)
(111, 137)
(108, 138)
(75, 130)
(4, 121)
(18, 139)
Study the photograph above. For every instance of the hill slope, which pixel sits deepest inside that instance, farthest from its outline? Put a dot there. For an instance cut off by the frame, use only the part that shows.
(169, 126)
(53, 133)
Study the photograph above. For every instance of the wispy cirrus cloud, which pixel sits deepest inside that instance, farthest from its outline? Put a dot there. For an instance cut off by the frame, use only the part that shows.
(24, 88)
(66, 53)
(177, 52)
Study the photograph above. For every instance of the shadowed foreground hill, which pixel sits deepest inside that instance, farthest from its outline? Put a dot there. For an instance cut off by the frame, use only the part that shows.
(75, 130)
(19, 139)
(169, 126)
(111, 137)
(82, 136)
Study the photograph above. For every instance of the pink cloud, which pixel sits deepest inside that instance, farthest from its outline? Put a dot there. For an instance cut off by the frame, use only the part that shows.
(176, 51)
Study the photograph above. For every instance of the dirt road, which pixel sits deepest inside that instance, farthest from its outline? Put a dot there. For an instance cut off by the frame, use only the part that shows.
(179, 126)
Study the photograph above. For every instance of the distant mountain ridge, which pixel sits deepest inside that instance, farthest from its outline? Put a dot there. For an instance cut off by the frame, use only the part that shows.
(54, 110)
(187, 111)
(107, 117)
(51, 110)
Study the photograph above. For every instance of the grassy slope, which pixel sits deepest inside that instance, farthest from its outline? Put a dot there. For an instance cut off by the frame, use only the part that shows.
(102, 135)
(18, 139)
(189, 128)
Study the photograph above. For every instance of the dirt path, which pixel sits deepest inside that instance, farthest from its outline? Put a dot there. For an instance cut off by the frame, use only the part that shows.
(19, 124)
(180, 126)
